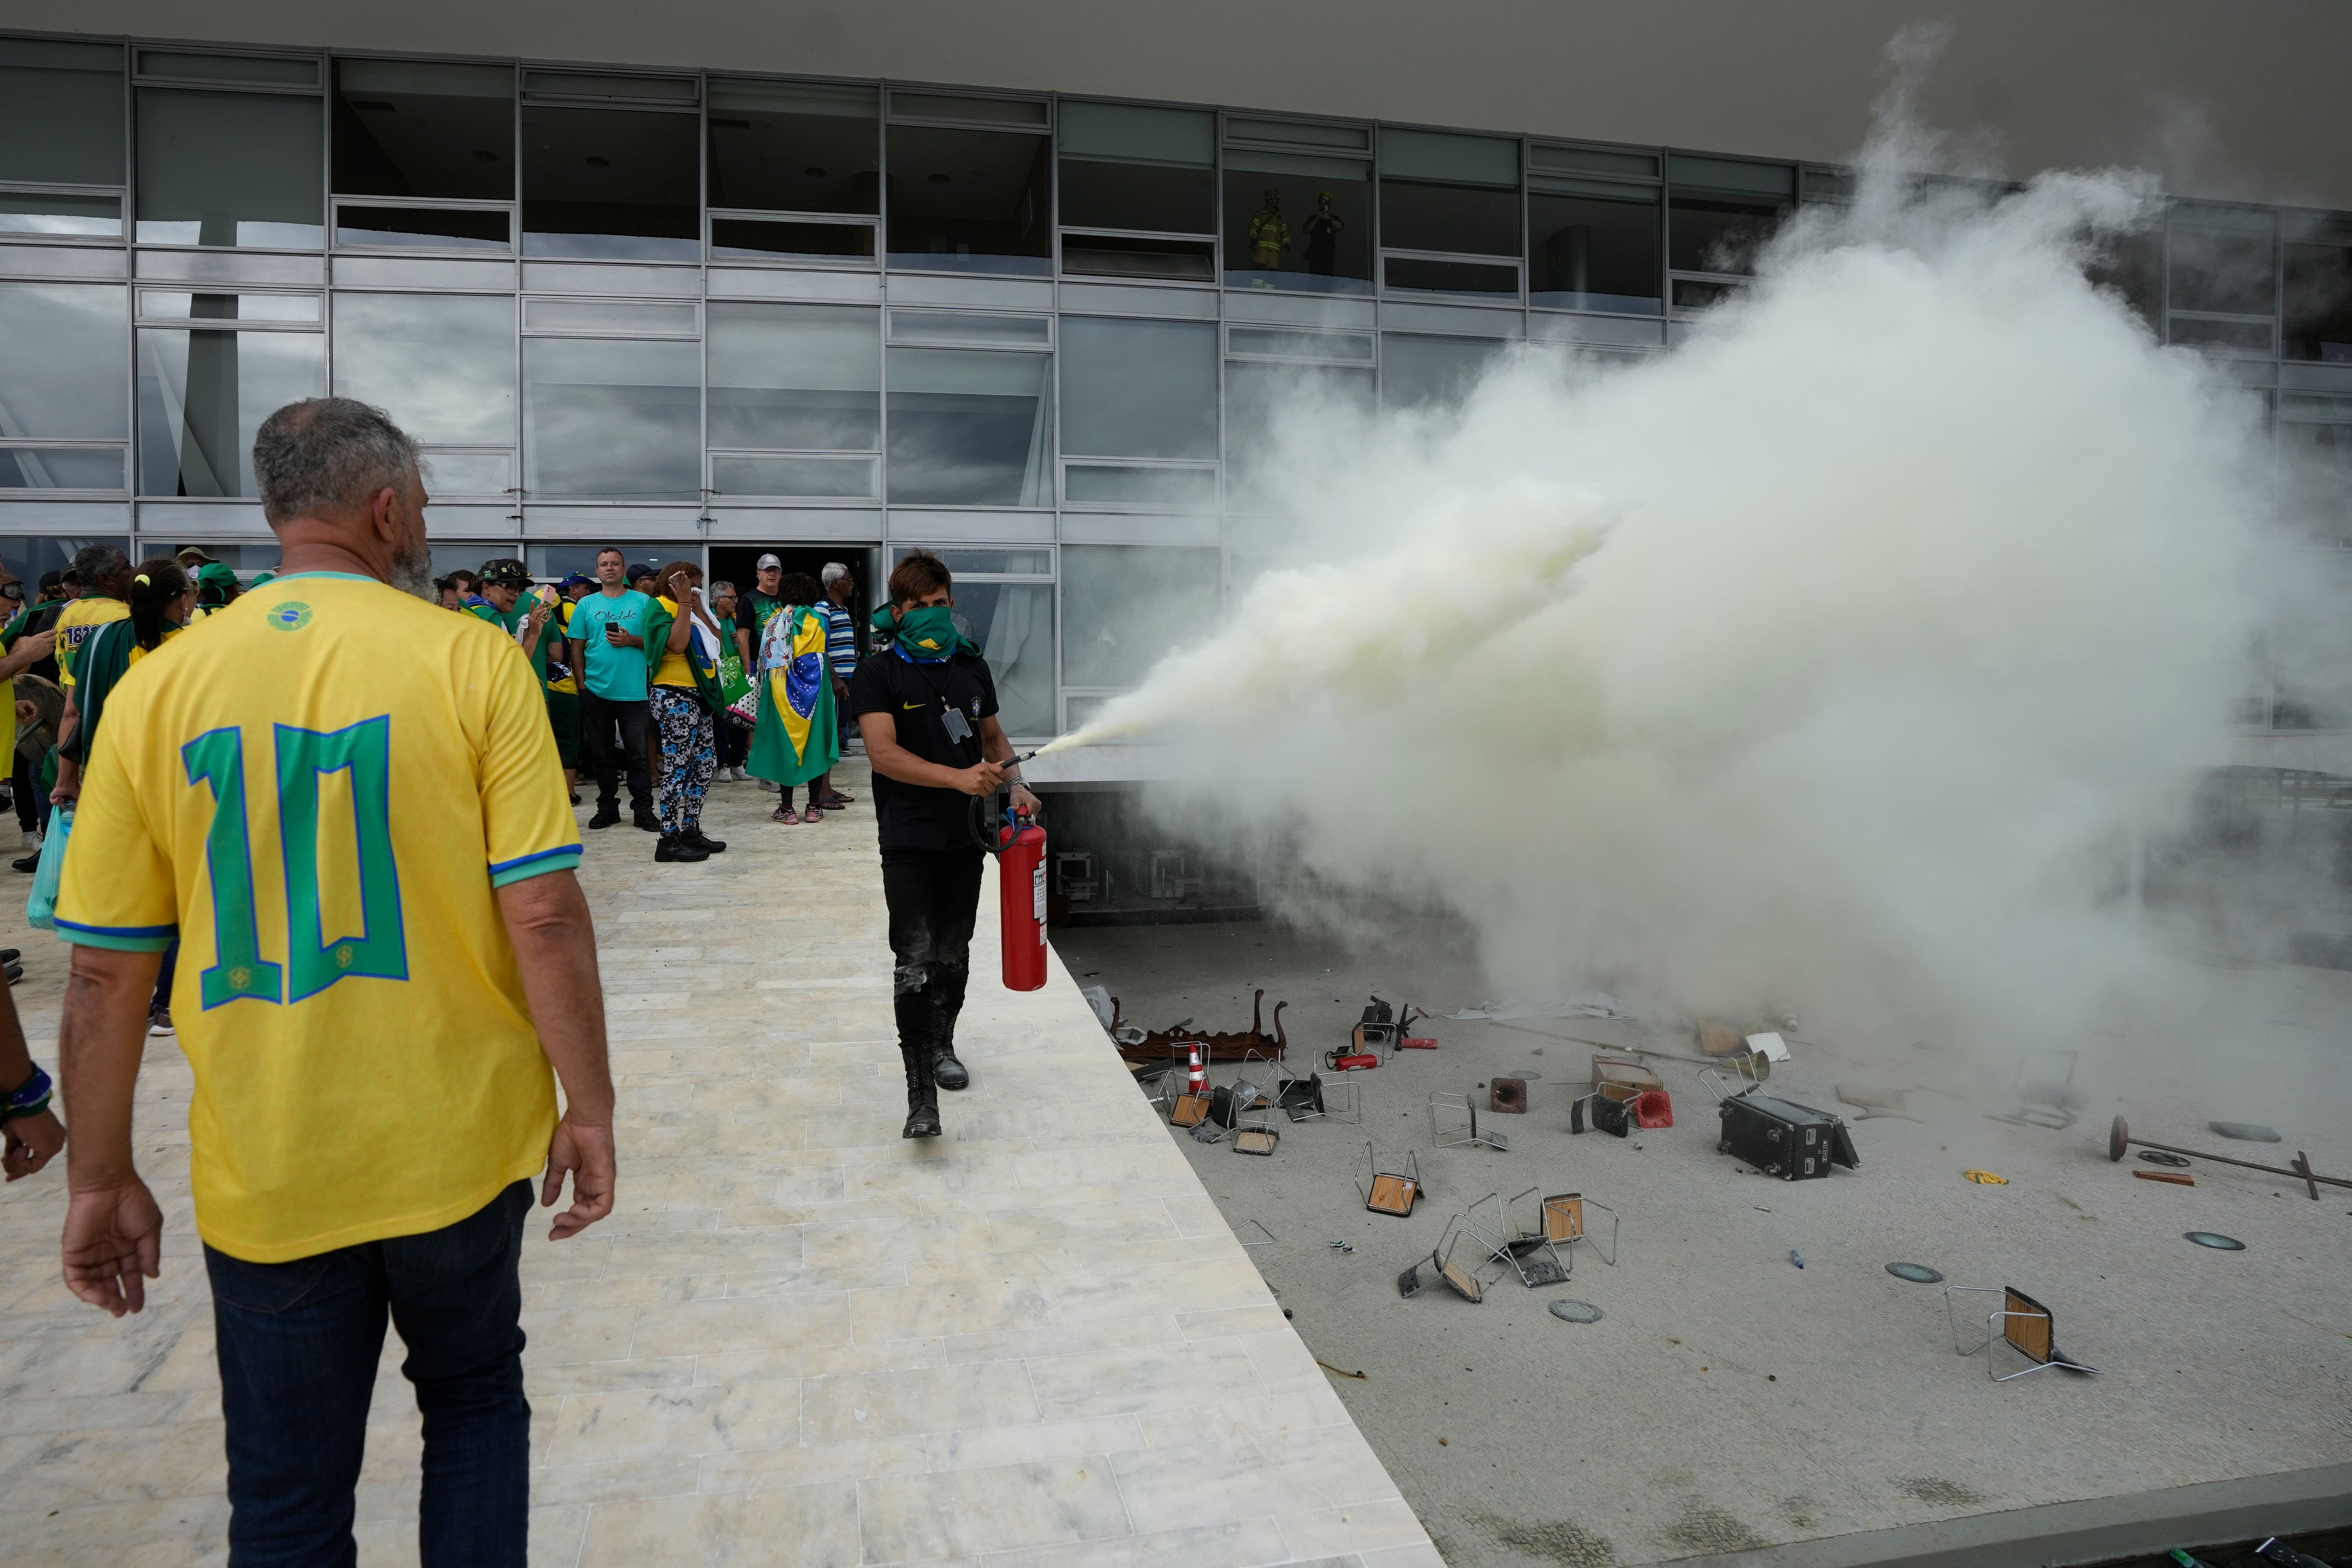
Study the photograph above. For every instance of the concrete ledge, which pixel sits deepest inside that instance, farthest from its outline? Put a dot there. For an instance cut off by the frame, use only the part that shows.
(2099, 1529)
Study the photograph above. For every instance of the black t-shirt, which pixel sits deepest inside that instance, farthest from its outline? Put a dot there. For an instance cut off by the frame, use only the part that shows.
(754, 609)
(916, 696)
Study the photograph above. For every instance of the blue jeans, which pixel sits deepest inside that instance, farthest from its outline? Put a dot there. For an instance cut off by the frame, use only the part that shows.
(299, 1344)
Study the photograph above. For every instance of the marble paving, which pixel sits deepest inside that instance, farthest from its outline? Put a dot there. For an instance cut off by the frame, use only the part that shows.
(800, 1339)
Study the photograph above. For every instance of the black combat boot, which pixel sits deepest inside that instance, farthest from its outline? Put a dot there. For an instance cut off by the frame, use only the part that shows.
(922, 1095)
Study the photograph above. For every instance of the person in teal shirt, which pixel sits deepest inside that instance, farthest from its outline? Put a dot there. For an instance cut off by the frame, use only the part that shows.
(608, 656)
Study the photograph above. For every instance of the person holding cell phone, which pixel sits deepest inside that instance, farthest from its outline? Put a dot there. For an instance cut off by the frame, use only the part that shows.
(608, 656)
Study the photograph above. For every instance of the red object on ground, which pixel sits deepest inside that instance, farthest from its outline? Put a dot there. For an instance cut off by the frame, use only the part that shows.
(1354, 1063)
(1196, 1078)
(1651, 1108)
(1416, 1043)
(1021, 895)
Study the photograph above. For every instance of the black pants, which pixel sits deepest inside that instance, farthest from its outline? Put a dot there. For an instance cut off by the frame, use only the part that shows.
(600, 719)
(26, 789)
(734, 743)
(933, 896)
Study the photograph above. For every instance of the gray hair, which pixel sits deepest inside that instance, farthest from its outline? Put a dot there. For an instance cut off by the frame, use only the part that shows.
(721, 586)
(327, 455)
(833, 572)
(93, 564)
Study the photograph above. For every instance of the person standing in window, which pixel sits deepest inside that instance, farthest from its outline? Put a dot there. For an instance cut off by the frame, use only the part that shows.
(373, 1088)
(733, 739)
(925, 704)
(684, 709)
(608, 654)
(1323, 227)
(759, 606)
(840, 656)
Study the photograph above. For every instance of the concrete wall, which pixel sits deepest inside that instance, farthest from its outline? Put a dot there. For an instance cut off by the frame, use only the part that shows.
(2245, 99)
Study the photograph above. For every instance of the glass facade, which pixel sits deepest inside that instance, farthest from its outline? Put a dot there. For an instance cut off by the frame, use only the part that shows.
(1052, 337)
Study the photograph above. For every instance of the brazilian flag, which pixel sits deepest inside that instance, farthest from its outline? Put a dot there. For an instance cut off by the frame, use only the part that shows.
(797, 736)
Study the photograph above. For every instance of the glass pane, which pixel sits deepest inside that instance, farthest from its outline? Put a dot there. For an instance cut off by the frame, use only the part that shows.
(622, 89)
(2317, 463)
(753, 239)
(1298, 133)
(740, 475)
(1592, 252)
(31, 212)
(275, 70)
(551, 562)
(971, 201)
(2132, 266)
(60, 468)
(1718, 233)
(1014, 625)
(419, 128)
(959, 327)
(61, 112)
(202, 395)
(788, 147)
(1178, 489)
(611, 183)
(1129, 167)
(970, 428)
(467, 473)
(1451, 276)
(1732, 176)
(1300, 345)
(174, 305)
(1592, 161)
(230, 168)
(1098, 256)
(1261, 402)
(443, 365)
(1695, 293)
(985, 111)
(796, 377)
(1297, 223)
(61, 371)
(2239, 337)
(990, 561)
(1415, 216)
(424, 228)
(1139, 389)
(604, 316)
(2223, 259)
(29, 558)
(609, 417)
(1123, 606)
(2319, 302)
(1423, 373)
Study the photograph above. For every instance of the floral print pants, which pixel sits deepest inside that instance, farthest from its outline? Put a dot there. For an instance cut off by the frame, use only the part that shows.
(689, 754)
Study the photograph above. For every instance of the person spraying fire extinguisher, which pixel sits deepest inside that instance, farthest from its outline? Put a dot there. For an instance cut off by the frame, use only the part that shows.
(926, 707)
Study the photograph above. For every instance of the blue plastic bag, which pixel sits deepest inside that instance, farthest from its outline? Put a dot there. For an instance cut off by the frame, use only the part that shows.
(41, 904)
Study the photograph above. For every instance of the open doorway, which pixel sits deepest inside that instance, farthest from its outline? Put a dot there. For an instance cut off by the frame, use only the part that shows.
(739, 564)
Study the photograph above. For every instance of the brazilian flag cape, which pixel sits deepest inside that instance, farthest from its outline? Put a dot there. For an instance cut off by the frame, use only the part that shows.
(659, 622)
(797, 736)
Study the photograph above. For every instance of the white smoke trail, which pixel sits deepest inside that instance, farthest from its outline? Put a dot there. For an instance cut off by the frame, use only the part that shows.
(1831, 659)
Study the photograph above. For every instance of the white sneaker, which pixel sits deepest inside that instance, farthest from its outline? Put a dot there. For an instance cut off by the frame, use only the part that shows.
(736, 774)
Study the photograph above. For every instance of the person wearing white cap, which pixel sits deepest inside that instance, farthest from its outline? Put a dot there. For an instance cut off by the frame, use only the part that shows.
(751, 620)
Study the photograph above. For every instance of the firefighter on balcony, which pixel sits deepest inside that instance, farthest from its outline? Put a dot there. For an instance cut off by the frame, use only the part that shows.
(926, 707)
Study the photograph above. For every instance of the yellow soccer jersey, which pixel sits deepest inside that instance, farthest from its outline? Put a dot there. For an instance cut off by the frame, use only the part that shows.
(77, 623)
(317, 789)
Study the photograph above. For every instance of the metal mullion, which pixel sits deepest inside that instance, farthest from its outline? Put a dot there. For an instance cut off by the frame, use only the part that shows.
(519, 490)
(129, 244)
(702, 306)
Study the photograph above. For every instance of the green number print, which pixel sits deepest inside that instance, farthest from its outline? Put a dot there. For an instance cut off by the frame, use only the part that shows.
(315, 960)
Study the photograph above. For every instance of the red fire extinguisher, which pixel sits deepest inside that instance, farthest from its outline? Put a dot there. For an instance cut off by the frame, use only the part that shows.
(1020, 897)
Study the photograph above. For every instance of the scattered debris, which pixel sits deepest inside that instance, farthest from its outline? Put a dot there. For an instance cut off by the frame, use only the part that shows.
(1207, 1133)
(1388, 1185)
(1781, 1137)
(2285, 1556)
(2119, 1139)
(2162, 1158)
(1797, 1258)
(1529, 1253)
(1873, 1097)
(2023, 1323)
(2216, 1240)
(1576, 1312)
(1507, 1095)
(1343, 1246)
(1625, 1072)
(2246, 1132)
(1464, 1132)
(1154, 1044)
(1720, 1038)
(1986, 1178)
(1610, 1114)
(1262, 1231)
(2046, 1094)
(1571, 1005)
(2173, 1177)
(1768, 1045)
(1358, 1376)
(1918, 1273)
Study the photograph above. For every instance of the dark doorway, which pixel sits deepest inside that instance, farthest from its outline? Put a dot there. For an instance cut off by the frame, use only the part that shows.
(739, 564)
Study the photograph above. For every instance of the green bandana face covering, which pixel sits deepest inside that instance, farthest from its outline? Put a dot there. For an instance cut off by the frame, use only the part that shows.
(928, 634)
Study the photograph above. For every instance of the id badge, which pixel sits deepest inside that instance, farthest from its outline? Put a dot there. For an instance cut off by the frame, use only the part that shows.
(959, 729)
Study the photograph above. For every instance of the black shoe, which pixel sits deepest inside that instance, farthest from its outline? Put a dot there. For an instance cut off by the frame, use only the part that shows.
(15, 972)
(9, 954)
(709, 846)
(31, 862)
(922, 1097)
(947, 1071)
(646, 821)
(605, 816)
(671, 849)
(575, 796)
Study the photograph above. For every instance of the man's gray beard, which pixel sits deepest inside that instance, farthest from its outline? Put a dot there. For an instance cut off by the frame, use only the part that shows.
(412, 572)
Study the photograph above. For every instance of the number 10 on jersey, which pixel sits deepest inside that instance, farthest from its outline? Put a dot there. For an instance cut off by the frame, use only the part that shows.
(314, 960)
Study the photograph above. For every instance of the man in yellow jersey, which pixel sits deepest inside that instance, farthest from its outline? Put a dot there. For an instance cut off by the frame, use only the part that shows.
(105, 574)
(344, 803)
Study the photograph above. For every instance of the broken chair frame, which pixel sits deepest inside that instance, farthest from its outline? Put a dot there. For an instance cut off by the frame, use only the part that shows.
(1462, 1281)
(1254, 1129)
(1314, 1096)
(1561, 1220)
(1530, 1256)
(2023, 1323)
(1460, 1137)
(1387, 1186)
